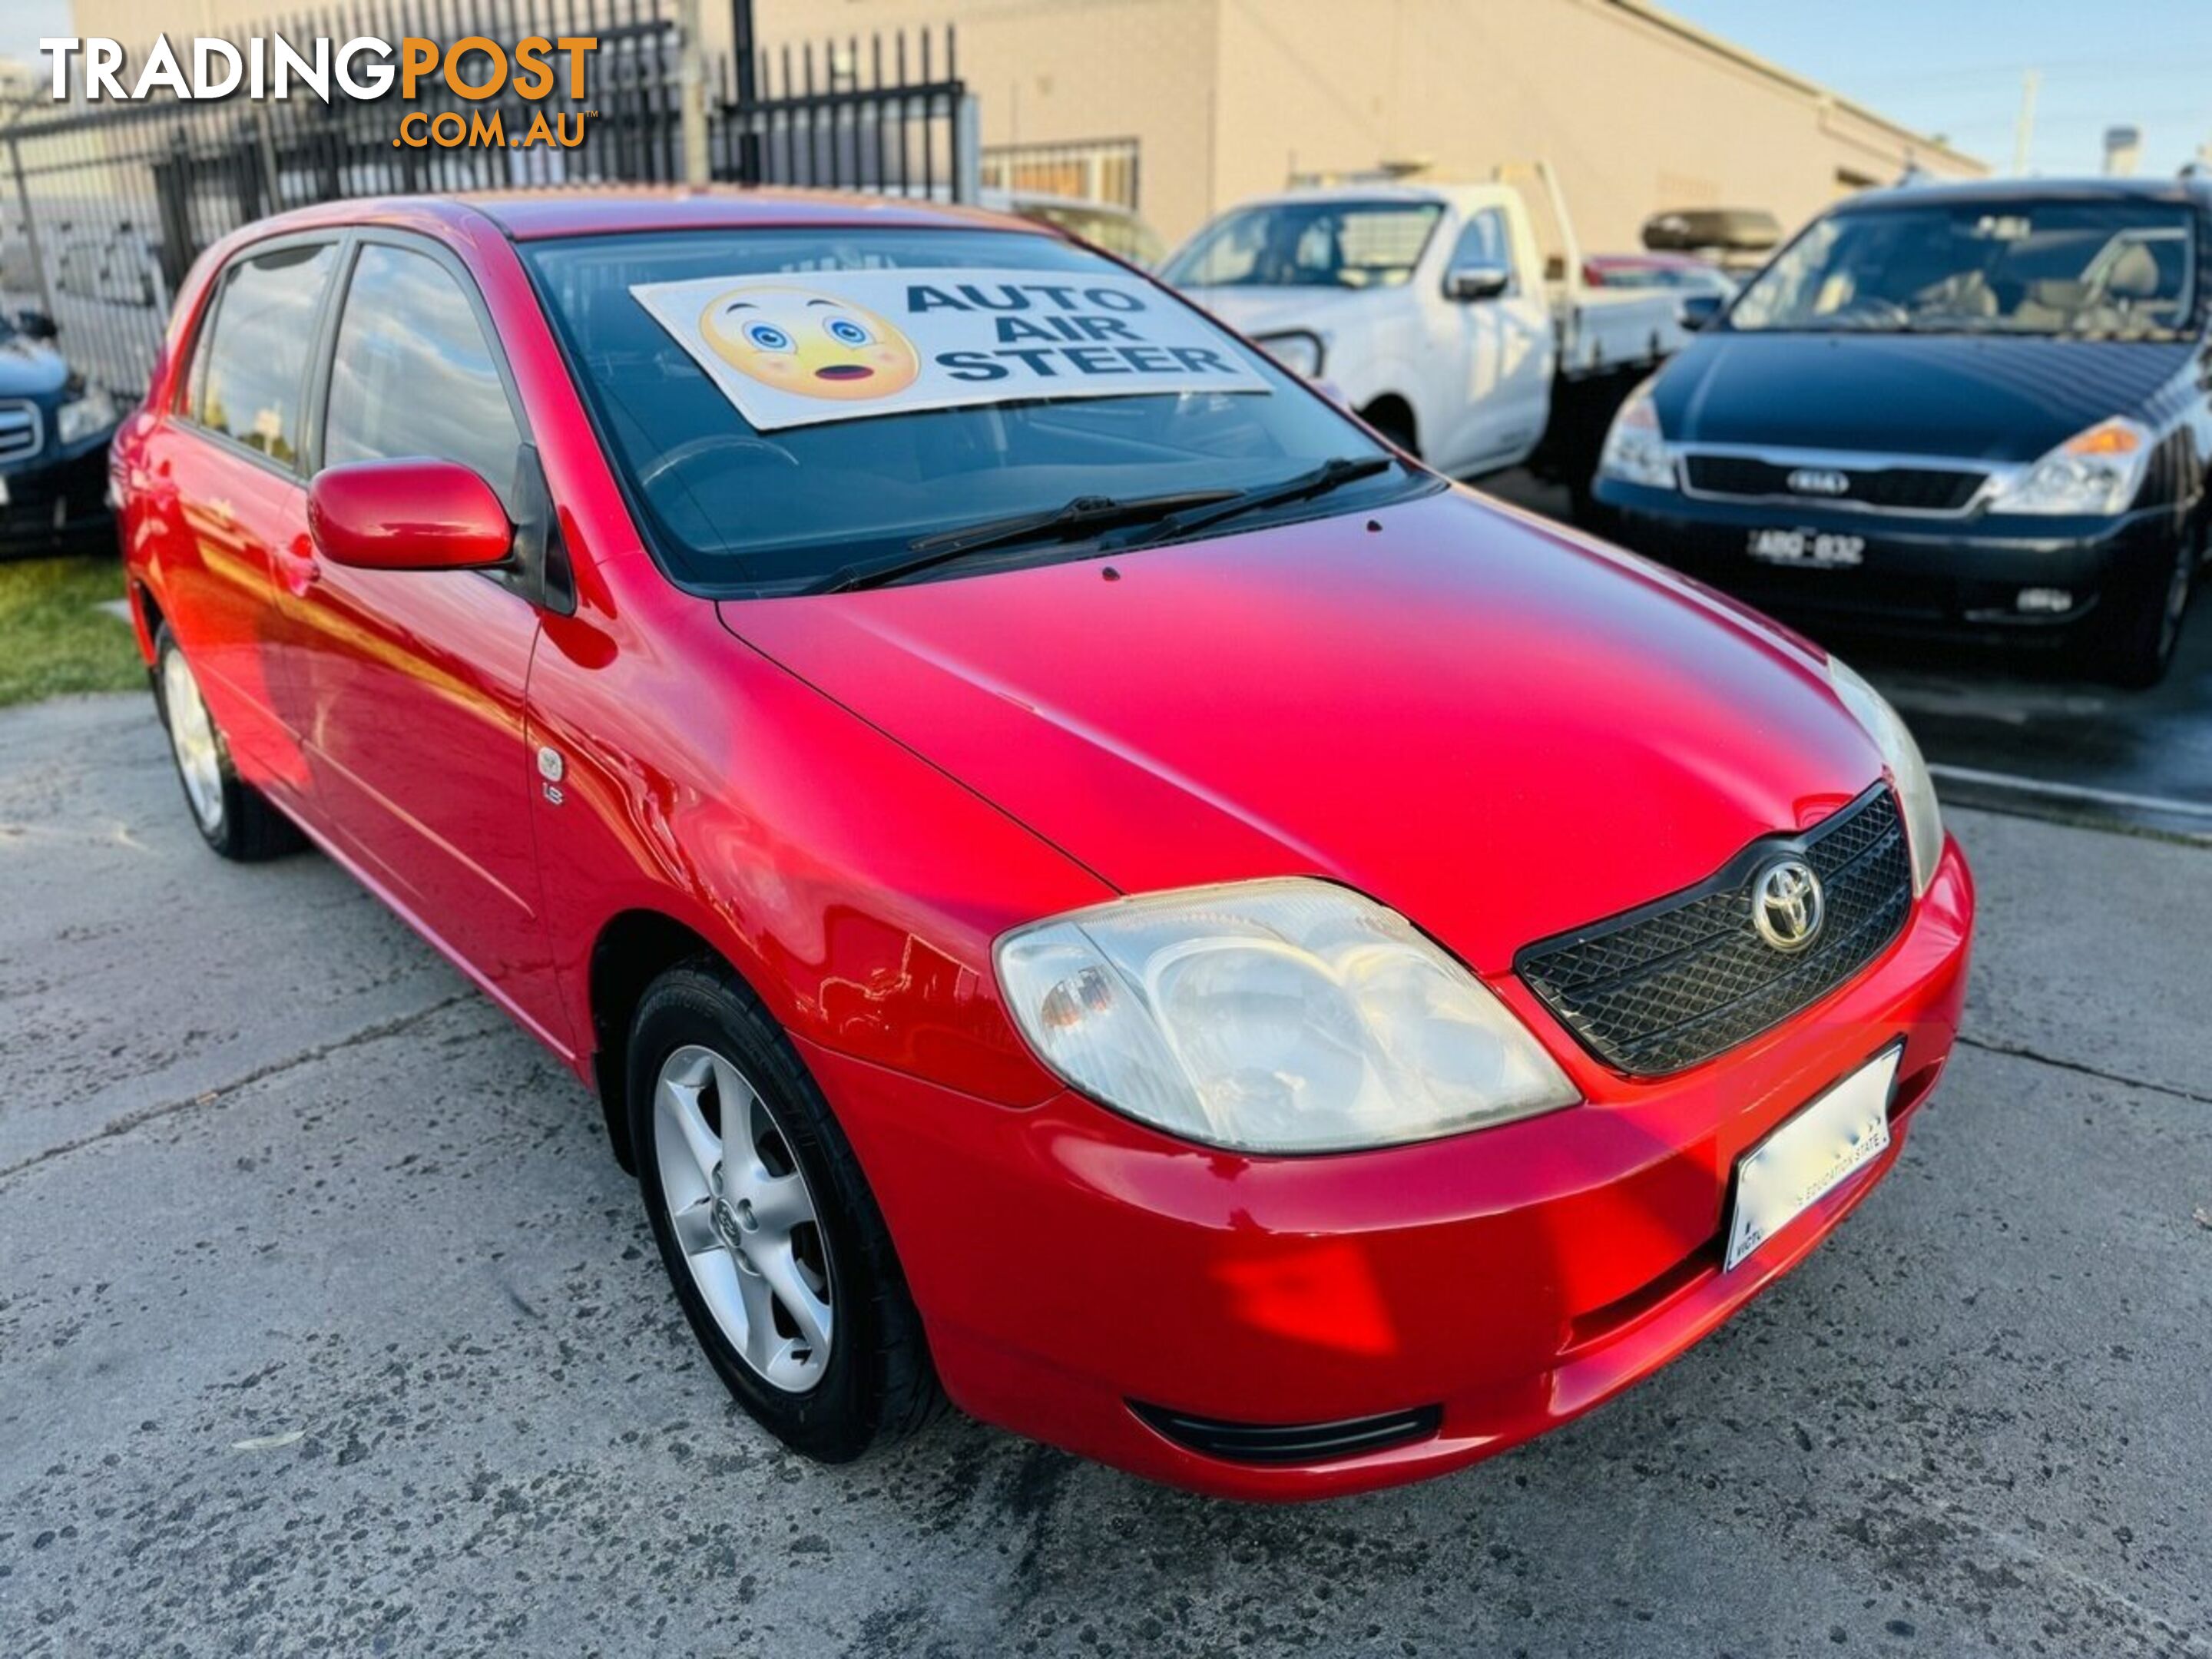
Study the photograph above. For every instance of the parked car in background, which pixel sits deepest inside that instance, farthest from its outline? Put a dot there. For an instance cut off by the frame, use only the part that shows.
(1678, 273)
(111, 264)
(1119, 230)
(1961, 407)
(1076, 873)
(54, 430)
(1738, 239)
(1429, 308)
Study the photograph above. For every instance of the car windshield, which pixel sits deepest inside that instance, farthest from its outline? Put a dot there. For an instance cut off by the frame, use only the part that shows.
(2123, 269)
(730, 507)
(1318, 243)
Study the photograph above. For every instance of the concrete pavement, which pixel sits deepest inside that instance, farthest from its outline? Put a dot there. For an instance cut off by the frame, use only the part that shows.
(327, 1321)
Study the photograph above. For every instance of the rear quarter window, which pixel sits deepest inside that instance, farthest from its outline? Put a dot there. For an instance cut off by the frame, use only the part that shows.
(249, 368)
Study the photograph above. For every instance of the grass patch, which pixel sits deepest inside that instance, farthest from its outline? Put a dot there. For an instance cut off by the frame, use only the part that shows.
(54, 640)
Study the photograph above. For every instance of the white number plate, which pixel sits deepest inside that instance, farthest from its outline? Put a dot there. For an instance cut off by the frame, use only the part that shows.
(1817, 550)
(1811, 1154)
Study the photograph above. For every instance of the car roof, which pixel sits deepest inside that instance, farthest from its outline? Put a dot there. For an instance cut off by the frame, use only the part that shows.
(1998, 191)
(562, 211)
(1458, 195)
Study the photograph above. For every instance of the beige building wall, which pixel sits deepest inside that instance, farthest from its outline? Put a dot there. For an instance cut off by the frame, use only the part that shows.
(1043, 70)
(1635, 111)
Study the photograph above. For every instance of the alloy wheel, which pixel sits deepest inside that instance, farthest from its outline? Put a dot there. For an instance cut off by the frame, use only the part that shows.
(743, 1218)
(191, 736)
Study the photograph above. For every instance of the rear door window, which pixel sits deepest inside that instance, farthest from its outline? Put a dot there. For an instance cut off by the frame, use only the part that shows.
(249, 385)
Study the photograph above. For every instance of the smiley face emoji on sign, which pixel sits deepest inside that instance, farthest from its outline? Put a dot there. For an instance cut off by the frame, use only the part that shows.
(810, 343)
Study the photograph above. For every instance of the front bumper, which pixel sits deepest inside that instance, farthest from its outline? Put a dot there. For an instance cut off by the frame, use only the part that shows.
(56, 498)
(1068, 1262)
(1918, 573)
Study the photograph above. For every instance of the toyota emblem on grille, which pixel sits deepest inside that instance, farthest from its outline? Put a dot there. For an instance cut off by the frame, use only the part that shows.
(1787, 906)
(1819, 481)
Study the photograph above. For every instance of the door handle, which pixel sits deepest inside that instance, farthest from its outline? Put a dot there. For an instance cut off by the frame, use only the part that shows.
(298, 569)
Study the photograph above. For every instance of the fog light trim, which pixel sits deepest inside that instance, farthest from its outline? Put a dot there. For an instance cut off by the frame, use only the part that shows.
(1290, 1442)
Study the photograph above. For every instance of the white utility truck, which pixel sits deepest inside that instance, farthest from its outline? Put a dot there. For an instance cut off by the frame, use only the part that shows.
(1437, 313)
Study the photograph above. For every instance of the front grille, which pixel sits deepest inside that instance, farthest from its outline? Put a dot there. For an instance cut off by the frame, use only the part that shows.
(20, 428)
(1674, 983)
(1897, 488)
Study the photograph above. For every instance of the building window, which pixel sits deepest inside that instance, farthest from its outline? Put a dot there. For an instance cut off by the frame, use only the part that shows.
(1084, 170)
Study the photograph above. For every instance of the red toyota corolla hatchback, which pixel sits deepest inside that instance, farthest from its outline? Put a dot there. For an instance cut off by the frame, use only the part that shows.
(1084, 883)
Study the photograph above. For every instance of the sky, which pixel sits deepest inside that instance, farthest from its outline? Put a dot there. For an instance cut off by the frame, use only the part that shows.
(1951, 67)
(24, 22)
(1954, 67)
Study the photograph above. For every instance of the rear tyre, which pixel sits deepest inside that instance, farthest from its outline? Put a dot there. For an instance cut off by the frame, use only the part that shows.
(2133, 635)
(771, 1239)
(232, 815)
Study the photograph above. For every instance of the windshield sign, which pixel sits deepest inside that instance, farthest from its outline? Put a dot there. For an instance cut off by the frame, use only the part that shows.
(1014, 373)
(2089, 270)
(847, 343)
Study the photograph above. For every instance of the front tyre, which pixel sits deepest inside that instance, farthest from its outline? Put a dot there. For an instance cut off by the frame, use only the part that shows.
(2133, 635)
(778, 1255)
(232, 815)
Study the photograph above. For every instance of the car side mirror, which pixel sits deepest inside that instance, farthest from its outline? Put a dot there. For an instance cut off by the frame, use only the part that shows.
(407, 515)
(1467, 283)
(35, 325)
(1699, 310)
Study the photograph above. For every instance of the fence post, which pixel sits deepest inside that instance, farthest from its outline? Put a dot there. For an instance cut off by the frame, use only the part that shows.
(173, 195)
(272, 182)
(967, 147)
(691, 85)
(744, 59)
(31, 231)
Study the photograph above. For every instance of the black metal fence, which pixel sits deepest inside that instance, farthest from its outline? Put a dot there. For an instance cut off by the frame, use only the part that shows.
(104, 205)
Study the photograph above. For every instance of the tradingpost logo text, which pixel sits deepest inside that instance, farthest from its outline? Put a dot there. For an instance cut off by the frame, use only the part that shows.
(474, 68)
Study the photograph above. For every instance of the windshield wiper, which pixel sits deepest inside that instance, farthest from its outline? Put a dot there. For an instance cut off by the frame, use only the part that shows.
(1082, 515)
(1331, 474)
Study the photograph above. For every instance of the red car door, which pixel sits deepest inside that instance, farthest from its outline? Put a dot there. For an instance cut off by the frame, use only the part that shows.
(408, 688)
(225, 491)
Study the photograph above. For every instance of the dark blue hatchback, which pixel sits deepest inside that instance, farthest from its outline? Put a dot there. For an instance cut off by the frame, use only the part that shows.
(54, 431)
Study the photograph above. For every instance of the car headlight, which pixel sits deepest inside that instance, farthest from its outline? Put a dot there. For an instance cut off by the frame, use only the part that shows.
(1635, 450)
(2097, 471)
(83, 416)
(1286, 1016)
(1300, 353)
(1915, 790)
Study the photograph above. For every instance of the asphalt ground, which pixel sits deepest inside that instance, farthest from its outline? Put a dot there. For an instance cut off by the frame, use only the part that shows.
(327, 1324)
